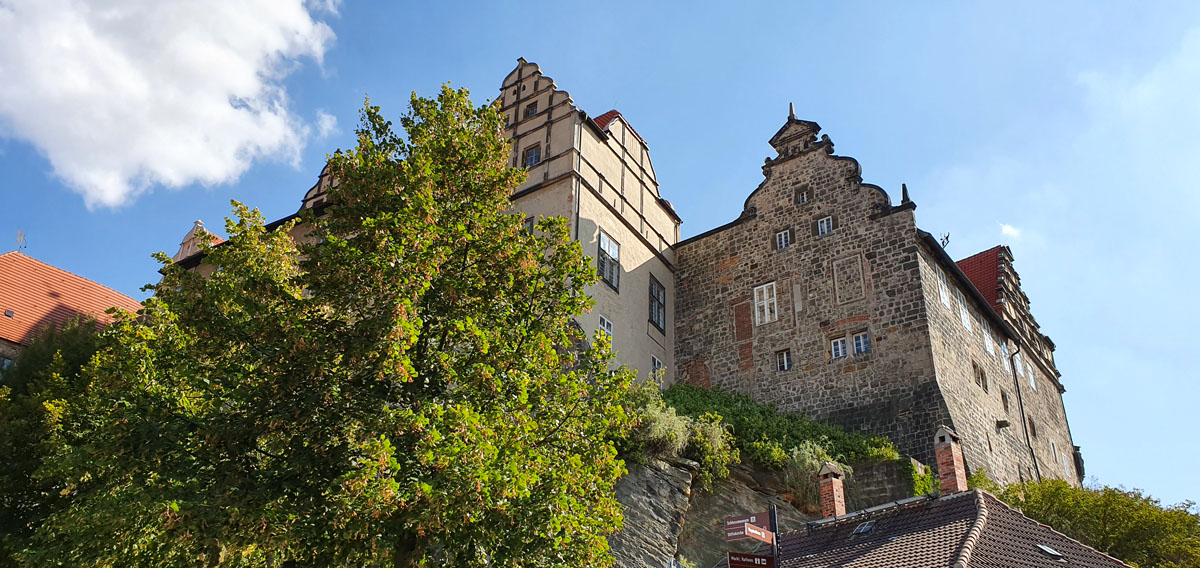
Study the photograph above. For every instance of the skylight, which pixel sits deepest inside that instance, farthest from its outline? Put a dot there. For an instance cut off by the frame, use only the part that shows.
(1049, 552)
(864, 527)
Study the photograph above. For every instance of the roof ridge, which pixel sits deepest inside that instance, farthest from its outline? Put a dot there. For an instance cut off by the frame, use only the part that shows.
(1020, 513)
(968, 546)
(71, 274)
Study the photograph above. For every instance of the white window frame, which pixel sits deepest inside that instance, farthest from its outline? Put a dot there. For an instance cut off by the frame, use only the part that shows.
(606, 325)
(783, 239)
(802, 198)
(783, 360)
(825, 225)
(608, 261)
(943, 287)
(656, 365)
(837, 348)
(1004, 355)
(1032, 377)
(862, 343)
(964, 312)
(766, 310)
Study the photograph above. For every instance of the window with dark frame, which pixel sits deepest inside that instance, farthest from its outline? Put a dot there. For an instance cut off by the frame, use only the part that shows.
(980, 376)
(1032, 426)
(529, 224)
(1004, 400)
(532, 157)
(658, 305)
(608, 261)
(783, 360)
(531, 109)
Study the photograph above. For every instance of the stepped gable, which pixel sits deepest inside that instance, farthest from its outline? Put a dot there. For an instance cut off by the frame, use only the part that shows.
(39, 295)
(964, 530)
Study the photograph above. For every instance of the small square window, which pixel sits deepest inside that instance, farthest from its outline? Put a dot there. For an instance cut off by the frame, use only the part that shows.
(862, 343)
(783, 360)
(606, 325)
(802, 197)
(9, 314)
(837, 348)
(531, 109)
(532, 157)
(5, 363)
(825, 226)
(783, 239)
(765, 310)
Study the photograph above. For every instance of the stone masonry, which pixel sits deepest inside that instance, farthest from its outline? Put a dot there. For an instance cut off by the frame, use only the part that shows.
(823, 297)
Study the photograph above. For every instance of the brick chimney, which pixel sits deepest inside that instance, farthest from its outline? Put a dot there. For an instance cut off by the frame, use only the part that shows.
(952, 472)
(833, 496)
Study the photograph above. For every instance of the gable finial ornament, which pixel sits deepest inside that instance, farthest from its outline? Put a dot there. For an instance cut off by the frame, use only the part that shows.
(791, 111)
(904, 194)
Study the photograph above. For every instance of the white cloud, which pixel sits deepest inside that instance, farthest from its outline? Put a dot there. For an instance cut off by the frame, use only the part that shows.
(121, 96)
(326, 124)
(1009, 231)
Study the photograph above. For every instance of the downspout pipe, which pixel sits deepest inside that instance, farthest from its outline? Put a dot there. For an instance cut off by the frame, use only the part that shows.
(1012, 367)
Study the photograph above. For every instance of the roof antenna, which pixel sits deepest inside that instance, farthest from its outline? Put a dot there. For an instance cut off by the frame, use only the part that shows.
(791, 111)
(20, 238)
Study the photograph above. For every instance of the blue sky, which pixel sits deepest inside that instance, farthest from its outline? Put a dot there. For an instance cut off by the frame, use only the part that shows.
(1068, 132)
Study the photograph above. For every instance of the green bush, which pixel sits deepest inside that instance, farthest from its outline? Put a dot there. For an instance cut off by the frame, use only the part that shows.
(922, 481)
(768, 453)
(712, 446)
(662, 433)
(753, 422)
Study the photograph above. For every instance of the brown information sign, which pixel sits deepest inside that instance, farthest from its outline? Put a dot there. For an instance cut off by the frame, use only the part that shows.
(734, 525)
(741, 560)
(758, 533)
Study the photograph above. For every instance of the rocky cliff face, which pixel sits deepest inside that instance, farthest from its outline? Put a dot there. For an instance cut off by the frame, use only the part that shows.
(666, 518)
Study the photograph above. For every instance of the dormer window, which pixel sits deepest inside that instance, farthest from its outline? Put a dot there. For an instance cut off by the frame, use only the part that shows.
(531, 109)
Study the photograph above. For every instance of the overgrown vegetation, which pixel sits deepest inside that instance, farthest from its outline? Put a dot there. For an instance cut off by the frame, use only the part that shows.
(923, 480)
(752, 422)
(660, 432)
(770, 439)
(1123, 523)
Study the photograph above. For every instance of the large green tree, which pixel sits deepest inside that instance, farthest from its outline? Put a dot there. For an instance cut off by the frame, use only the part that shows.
(407, 388)
(1126, 524)
(36, 399)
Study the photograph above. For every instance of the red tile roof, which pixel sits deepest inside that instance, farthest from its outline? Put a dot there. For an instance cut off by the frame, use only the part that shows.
(603, 120)
(983, 269)
(40, 295)
(969, 530)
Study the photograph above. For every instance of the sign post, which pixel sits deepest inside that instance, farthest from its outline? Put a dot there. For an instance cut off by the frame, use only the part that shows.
(734, 526)
(742, 560)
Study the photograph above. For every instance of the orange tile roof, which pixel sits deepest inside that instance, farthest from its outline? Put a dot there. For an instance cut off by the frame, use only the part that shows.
(39, 295)
(603, 120)
(983, 270)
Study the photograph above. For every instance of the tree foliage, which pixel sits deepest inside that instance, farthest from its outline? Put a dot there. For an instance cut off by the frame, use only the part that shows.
(1125, 524)
(406, 386)
(36, 398)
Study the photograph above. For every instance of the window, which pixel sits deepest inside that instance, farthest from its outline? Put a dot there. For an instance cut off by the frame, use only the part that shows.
(964, 313)
(530, 109)
(606, 325)
(802, 197)
(1029, 371)
(783, 360)
(1054, 450)
(943, 287)
(608, 261)
(1032, 426)
(656, 366)
(988, 338)
(1004, 400)
(658, 304)
(764, 304)
(825, 226)
(532, 157)
(1004, 351)
(783, 239)
(529, 223)
(862, 343)
(980, 376)
(837, 348)
(5, 363)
